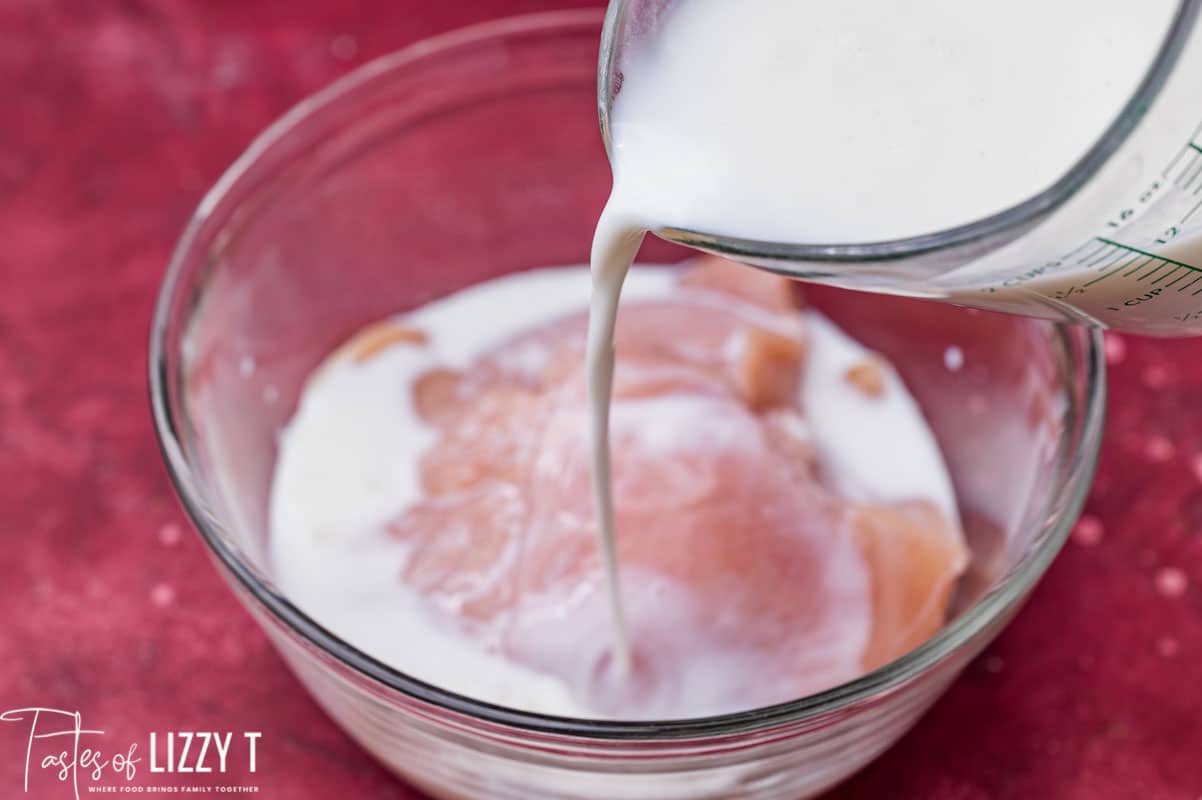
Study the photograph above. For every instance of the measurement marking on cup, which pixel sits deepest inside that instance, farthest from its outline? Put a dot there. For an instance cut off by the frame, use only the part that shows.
(1189, 145)
(1150, 273)
(1167, 260)
(1105, 275)
(1173, 163)
(1195, 167)
(1101, 248)
(1185, 160)
(1192, 211)
(1078, 249)
(1103, 259)
(1189, 159)
(1136, 266)
(1191, 283)
(1168, 274)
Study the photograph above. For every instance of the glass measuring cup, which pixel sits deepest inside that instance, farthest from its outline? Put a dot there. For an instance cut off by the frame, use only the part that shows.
(1116, 241)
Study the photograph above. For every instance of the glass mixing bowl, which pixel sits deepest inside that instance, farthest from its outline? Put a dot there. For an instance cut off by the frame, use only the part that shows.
(476, 154)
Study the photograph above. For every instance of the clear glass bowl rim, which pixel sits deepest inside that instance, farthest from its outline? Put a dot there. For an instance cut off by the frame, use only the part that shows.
(999, 600)
(1010, 220)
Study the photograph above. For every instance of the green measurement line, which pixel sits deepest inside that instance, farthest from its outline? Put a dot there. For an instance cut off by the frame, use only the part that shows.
(1139, 264)
(1146, 253)
(1147, 275)
(1105, 275)
(1195, 147)
(1169, 274)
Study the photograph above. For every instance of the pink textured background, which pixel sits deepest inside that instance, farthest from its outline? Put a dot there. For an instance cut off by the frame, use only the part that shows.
(115, 115)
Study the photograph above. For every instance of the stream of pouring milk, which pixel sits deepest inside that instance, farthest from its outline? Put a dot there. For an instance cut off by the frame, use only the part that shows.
(615, 245)
(806, 120)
